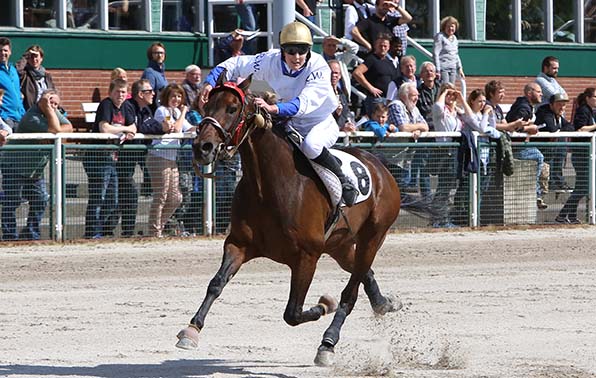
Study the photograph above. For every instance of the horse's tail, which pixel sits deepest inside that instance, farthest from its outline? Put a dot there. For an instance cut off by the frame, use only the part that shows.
(420, 206)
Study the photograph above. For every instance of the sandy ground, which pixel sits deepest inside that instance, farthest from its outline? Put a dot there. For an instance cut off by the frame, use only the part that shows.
(476, 304)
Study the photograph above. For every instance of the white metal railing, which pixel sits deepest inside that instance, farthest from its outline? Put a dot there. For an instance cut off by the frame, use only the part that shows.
(345, 138)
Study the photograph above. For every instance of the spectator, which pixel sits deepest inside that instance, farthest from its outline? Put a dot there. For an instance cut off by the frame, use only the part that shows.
(155, 71)
(345, 58)
(192, 83)
(229, 46)
(33, 76)
(518, 120)
(246, 12)
(161, 159)
(366, 31)
(404, 114)
(407, 69)
(308, 8)
(359, 10)
(427, 90)
(128, 195)
(551, 115)
(120, 73)
(23, 171)
(342, 114)
(5, 129)
(11, 110)
(112, 117)
(395, 51)
(583, 121)
(378, 122)
(375, 74)
(446, 52)
(547, 79)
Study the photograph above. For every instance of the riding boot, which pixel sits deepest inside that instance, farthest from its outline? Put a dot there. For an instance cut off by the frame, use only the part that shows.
(349, 191)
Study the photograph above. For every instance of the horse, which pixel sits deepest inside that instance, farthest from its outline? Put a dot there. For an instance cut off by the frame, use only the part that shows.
(279, 211)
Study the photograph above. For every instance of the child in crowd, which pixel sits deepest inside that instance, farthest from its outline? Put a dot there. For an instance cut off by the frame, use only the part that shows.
(378, 122)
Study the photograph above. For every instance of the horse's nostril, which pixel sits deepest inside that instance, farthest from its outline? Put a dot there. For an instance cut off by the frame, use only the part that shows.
(207, 147)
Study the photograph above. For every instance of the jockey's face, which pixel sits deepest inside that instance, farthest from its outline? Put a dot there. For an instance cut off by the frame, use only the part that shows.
(295, 56)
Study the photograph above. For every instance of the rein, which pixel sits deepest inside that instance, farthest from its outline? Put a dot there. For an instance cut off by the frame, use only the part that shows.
(233, 140)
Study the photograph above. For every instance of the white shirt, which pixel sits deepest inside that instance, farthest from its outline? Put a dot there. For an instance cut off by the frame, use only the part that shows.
(160, 115)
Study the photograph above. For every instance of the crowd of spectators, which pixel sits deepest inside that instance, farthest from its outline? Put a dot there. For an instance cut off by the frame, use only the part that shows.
(370, 58)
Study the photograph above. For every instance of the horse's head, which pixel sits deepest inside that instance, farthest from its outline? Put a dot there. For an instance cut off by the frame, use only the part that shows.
(223, 126)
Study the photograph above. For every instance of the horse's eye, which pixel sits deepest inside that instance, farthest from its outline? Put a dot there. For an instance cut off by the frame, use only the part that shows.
(232, 109)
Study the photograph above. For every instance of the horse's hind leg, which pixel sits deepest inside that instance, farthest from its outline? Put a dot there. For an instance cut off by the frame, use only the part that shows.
(379, 303)
(233, 258)
(302, 275)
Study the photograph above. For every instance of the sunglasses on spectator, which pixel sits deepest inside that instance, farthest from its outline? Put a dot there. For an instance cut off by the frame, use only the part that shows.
(147, 90)
(296, 49)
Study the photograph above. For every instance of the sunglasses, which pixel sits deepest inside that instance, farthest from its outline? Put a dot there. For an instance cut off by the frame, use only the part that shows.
(147, 90)
(296, 49)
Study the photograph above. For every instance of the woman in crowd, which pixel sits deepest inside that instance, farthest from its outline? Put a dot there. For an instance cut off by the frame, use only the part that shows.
(446, 52)
(161, 159)
(583, 120)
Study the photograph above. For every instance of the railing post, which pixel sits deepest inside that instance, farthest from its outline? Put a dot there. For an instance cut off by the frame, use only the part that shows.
(58, 183)
(474, 180)
(592, 177)
(208, 204)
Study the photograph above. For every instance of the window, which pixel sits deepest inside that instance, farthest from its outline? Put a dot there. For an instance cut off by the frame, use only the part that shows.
(179, 15)
(532, 15)
(590, 21)
(498, 20)
(7, 15)
(40, 13)
(421, 24)
(126, 15)
(83, 14)
(458, 9)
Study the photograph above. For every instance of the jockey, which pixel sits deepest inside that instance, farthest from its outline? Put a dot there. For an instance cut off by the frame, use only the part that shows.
(302, 81)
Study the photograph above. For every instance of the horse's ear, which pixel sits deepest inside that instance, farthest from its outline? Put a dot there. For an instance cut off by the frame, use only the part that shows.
(245, 83)
(222, 78)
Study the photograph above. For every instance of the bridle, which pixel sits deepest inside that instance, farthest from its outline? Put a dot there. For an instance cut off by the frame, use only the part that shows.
(232, 140)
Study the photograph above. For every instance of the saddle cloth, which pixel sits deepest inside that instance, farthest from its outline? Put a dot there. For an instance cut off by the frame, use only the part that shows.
(353, 168)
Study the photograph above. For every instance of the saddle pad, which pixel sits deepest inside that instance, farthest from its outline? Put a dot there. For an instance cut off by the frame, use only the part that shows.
(353, 168)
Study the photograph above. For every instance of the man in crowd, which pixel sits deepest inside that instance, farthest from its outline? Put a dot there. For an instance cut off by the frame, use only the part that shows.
(23, 170)
(547, 79)
(11, 110)
(33, 76)
(191, 84)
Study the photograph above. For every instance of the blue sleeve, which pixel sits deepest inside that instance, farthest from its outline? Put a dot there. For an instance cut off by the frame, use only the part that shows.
(288, 109)
(213, 75)
(375, 127)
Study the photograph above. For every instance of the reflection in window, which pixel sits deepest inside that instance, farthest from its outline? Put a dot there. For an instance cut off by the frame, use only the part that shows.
(532, 16)
(498, 20)
(178, 15)
(590, 21)
(421, 24)
(82, 14)
(40, 13)
(126, 14)
(563, 21)
(7, 15)
(459, 10)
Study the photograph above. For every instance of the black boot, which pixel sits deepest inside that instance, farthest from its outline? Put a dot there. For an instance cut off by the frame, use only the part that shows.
(349, 191)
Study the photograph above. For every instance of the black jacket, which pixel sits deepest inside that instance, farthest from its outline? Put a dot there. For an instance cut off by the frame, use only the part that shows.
(544, 115)
(521, 108)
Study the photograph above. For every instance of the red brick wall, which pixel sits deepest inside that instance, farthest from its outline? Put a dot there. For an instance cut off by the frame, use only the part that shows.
(77, 86)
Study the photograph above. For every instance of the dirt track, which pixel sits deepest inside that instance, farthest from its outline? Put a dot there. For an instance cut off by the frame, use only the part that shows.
(477, 304)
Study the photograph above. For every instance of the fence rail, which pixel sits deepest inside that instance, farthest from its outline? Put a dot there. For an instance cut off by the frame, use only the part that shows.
(424, 168)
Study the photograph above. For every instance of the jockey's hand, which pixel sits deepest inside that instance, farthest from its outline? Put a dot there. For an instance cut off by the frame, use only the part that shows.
(271, 109)
(204, 96)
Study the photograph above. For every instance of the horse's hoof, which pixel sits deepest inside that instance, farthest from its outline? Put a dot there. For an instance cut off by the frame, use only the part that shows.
(325, 356)
(328, 303)
(188, 338)
(391, 304)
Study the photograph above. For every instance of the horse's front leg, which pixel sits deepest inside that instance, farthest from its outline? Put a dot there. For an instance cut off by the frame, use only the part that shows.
(233, 258)
(302, 275)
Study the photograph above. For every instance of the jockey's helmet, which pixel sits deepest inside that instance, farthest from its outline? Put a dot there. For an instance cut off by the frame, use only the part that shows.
(295, 33)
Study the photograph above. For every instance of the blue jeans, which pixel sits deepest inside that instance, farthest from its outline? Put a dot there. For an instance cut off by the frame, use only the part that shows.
(103, 195)
(532, 153)
(17, 188)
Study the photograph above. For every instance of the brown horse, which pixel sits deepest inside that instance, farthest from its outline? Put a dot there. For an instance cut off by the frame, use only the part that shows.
(279, 211)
